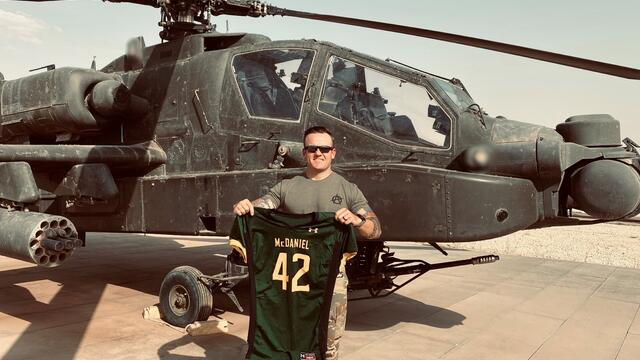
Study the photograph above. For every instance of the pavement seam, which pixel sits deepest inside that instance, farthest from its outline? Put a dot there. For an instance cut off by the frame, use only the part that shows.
(370, 343)
(616, 269)
(547, 339)
(628, 329)
(569, 317)
(540, 315)
(512, 277)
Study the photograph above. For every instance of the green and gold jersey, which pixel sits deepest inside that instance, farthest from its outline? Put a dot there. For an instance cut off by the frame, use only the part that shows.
(293, 262)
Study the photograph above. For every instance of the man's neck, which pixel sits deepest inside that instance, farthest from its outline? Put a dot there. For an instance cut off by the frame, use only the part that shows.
(317, 175)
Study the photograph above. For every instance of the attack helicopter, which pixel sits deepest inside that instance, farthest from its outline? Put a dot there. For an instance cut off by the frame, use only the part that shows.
(206, 118)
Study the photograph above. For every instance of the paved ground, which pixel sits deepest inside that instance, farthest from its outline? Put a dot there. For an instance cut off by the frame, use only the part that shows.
(517, 308)
(614, 243)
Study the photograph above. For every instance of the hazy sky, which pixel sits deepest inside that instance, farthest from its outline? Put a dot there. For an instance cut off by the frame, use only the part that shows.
(70, 33)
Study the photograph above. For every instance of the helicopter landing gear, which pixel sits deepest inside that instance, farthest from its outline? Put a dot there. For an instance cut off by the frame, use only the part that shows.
(186, 295)
(365, 272)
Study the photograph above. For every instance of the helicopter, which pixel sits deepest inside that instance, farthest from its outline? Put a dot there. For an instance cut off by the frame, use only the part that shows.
(165, 138)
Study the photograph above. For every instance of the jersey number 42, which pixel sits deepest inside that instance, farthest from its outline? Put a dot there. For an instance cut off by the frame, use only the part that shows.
(280, 271)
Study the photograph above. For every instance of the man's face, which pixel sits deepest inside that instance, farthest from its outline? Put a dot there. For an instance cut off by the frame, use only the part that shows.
(317, 160)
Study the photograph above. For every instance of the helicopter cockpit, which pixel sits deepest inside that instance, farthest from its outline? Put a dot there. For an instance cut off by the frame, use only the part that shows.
(261, 79)
(383, 104)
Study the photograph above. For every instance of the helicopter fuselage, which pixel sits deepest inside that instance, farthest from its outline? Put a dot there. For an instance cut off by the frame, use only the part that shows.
(209, 119)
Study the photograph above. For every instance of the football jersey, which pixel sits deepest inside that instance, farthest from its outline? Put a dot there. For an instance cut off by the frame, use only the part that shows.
(293, 262)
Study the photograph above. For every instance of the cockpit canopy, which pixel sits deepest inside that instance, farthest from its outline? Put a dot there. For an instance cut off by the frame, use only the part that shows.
(273, 83)
(386, 105)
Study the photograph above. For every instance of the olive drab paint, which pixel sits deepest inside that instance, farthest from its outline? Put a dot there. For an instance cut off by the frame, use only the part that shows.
(165, 138)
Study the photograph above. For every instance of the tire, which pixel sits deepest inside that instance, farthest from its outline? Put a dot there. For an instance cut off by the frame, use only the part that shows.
(184, 298)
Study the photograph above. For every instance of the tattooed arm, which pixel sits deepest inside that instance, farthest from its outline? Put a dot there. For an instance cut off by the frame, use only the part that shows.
(263, 202)
(270, 200)
(245, 206)
(376, 229)
(371, 228)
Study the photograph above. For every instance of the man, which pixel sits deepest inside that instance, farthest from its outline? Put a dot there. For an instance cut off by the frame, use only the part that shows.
(321, 189)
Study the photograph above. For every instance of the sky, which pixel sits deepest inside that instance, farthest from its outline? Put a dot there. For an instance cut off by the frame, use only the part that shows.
(70, 33)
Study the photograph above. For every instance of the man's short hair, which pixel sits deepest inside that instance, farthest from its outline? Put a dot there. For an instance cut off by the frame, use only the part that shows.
(317, 130)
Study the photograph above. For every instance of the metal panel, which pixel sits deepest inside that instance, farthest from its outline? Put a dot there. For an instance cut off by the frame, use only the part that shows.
(17, 182)
(488, 206)
(191, 197)
(238, 185)
(409, 200)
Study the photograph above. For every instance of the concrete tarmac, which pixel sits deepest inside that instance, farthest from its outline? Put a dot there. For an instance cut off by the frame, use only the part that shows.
(517, 308)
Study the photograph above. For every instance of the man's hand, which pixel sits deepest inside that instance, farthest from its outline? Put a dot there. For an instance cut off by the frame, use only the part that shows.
(242, 207)
(370, 229)
(347, 217)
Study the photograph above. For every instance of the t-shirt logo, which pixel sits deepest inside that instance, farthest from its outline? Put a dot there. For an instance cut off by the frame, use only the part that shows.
(307, 356)
(336, 199)
(313, 230)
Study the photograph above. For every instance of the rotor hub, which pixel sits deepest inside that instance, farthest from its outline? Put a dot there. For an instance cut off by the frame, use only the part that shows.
(181, 18)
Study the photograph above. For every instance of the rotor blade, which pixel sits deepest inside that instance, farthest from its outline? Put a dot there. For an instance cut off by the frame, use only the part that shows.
(576, 62)
(153, 3)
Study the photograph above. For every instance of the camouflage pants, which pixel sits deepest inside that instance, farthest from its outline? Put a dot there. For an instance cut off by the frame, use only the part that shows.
(337, 316)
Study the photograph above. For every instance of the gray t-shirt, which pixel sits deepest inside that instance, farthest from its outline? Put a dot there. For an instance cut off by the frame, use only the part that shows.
(300, 195)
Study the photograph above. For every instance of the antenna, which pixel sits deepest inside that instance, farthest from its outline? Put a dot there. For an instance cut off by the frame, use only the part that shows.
(48, 67)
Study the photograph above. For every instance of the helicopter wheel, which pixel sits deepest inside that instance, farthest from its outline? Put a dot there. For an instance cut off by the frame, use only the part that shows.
(184, 298)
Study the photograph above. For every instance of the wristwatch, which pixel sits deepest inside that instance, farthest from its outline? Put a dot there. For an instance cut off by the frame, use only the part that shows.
(364, 220)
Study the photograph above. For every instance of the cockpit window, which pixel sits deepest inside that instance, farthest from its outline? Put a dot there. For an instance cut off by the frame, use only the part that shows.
(273, 82)
(388, 106)
(456, 93)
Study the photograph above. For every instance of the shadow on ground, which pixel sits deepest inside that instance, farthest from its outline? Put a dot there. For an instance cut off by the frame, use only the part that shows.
(119, 266)
(108, 266)
(219, 346)
(376, 314)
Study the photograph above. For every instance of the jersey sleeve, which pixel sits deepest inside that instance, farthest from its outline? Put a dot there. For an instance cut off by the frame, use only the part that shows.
(350, 245)
(237, 237)
(358, 204)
